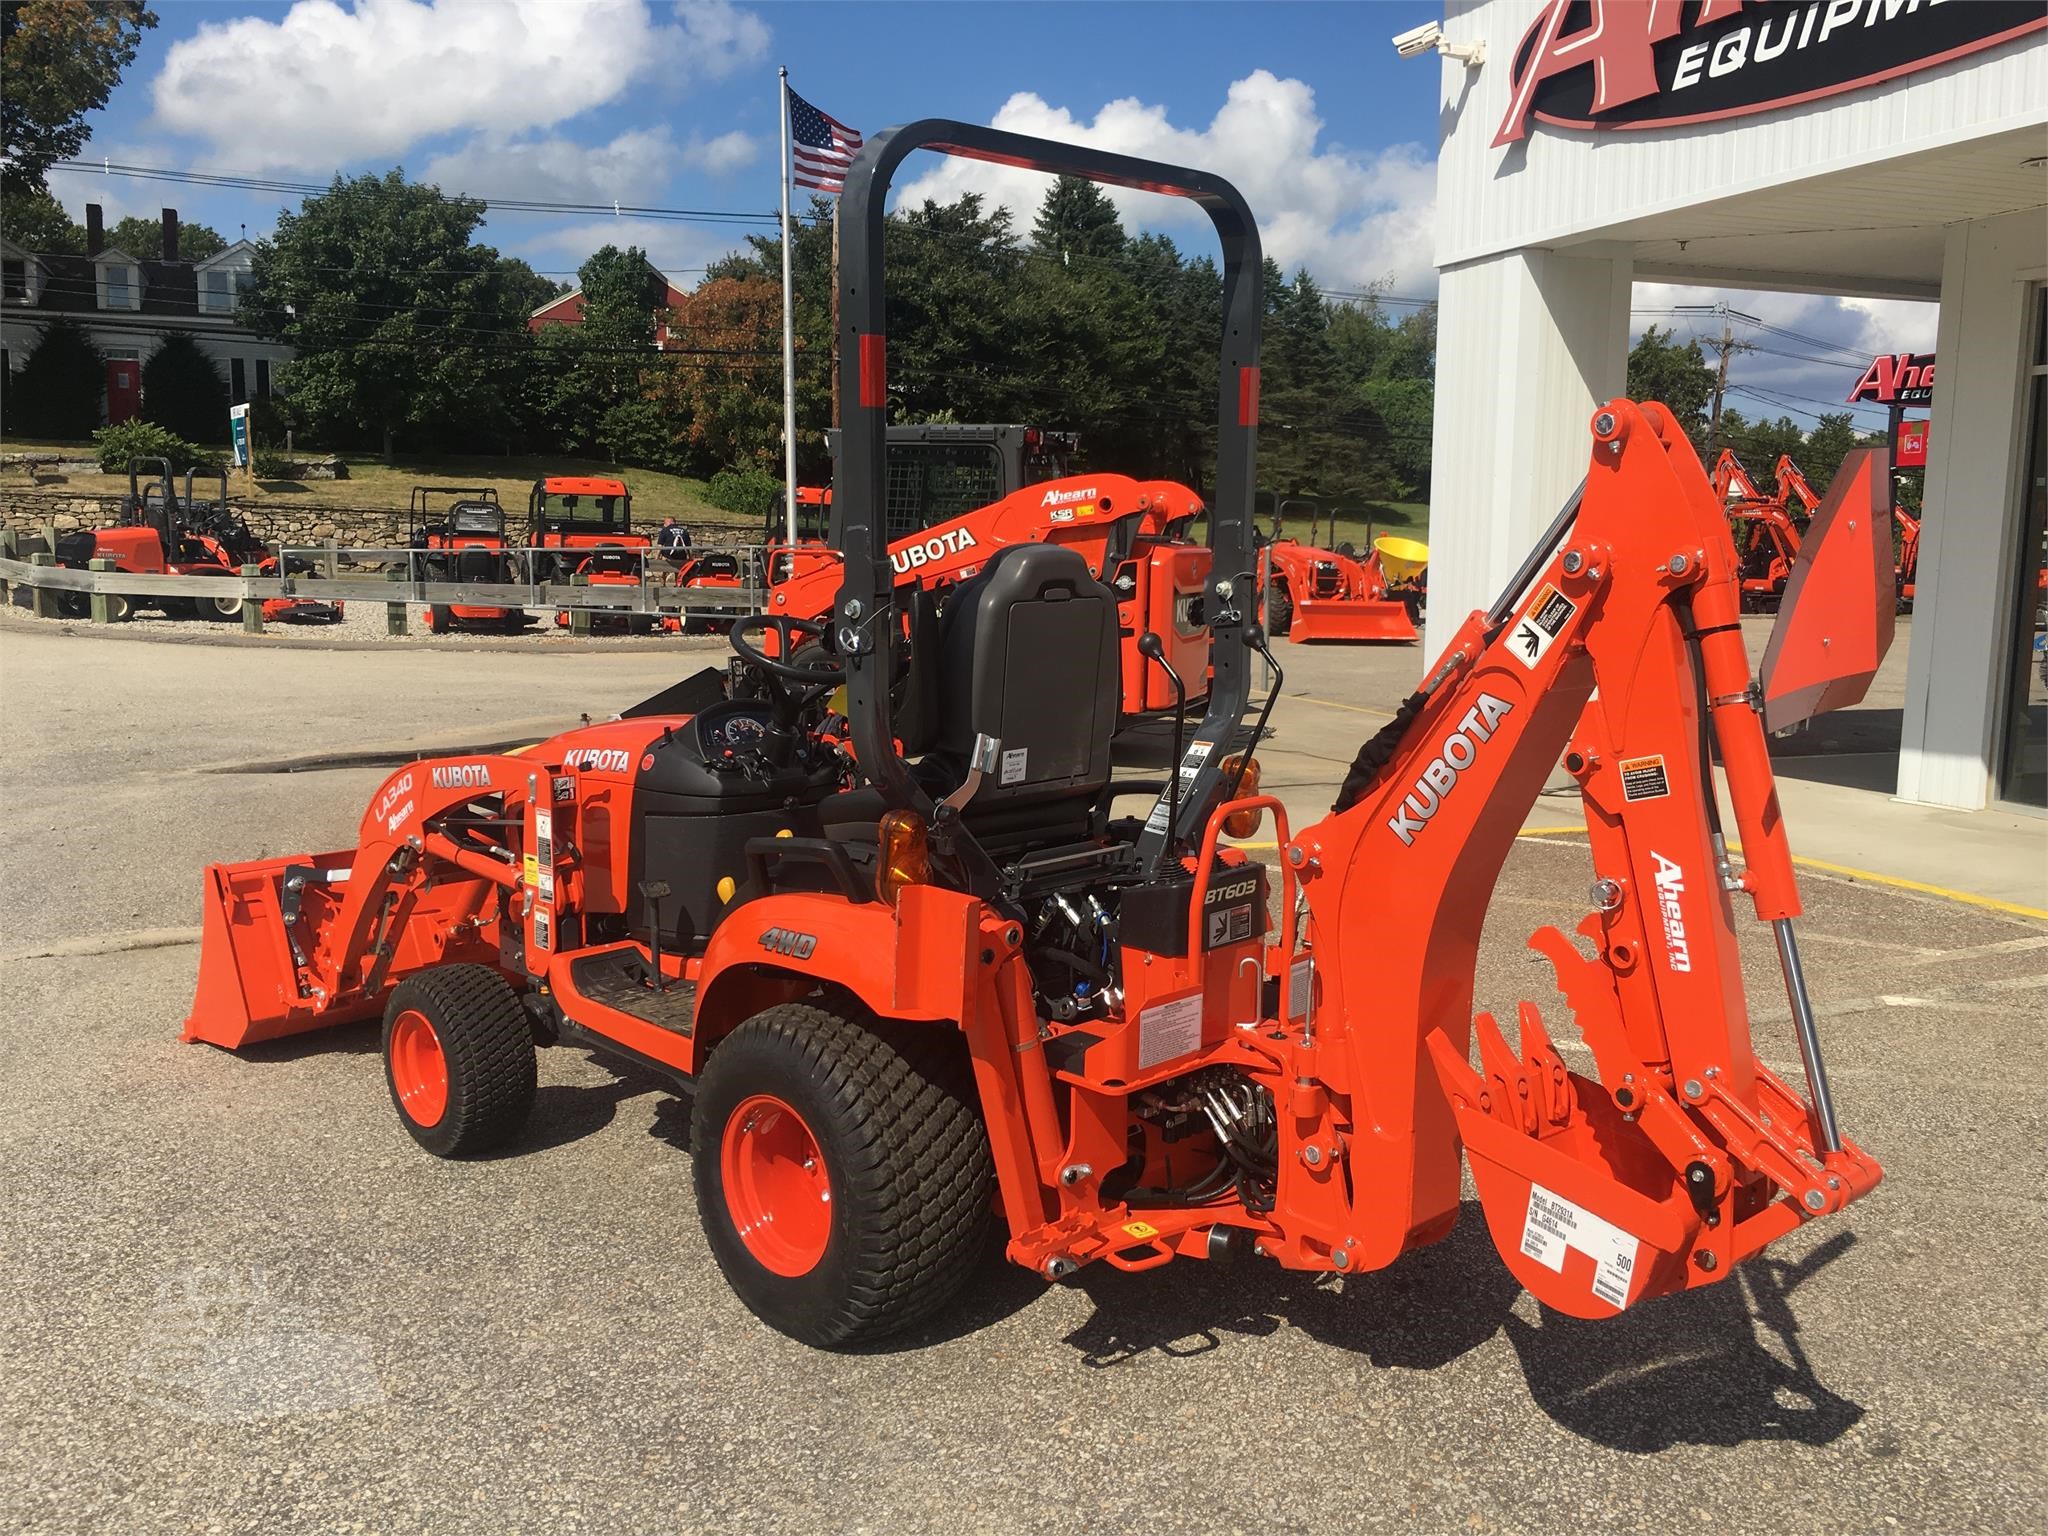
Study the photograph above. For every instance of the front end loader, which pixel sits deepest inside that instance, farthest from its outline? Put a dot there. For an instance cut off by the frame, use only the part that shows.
(922, 973)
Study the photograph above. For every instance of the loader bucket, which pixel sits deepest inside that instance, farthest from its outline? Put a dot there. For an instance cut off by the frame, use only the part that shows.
(1352, 618)
(248, 989)
(1402, 560)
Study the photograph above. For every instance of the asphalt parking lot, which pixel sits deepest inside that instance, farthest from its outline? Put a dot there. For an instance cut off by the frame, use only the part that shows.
(241, 1300)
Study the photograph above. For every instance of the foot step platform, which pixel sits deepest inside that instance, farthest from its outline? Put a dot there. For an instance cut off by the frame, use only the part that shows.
(625, 982)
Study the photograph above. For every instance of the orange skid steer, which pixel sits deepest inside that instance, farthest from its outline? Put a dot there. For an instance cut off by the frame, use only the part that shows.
(939, 980)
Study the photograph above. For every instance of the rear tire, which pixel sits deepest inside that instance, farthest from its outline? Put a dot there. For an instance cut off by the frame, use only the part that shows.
(225, 610)
(459, 1059)
(440, 619)
(903, 1172)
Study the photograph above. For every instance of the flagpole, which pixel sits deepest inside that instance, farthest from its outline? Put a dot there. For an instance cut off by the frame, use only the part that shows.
(788, 334)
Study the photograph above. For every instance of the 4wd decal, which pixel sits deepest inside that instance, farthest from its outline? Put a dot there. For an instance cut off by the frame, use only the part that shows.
(599, 759)
(787, 941)
(1671, 886)
(913, 557)
(1457, 753)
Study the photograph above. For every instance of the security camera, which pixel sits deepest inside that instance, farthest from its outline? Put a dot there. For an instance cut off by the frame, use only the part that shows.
(1421, 40)
(1429, 38)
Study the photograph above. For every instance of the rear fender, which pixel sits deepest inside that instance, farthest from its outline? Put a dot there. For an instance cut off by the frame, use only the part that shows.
(916, 960)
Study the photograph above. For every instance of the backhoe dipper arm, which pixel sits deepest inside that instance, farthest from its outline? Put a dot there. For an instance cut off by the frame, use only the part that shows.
(1624, 658)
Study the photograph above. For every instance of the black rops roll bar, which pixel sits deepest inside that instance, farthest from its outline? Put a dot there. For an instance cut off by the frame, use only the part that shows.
(864, 616)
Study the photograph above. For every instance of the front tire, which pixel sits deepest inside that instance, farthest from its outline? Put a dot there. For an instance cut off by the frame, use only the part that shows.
(459, 1059)
(843, 1176)
(1279, 610)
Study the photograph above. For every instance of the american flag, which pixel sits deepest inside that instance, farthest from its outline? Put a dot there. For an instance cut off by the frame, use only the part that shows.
(824, 146)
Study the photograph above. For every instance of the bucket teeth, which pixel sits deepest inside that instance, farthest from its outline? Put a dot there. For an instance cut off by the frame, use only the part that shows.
(1531, 1092)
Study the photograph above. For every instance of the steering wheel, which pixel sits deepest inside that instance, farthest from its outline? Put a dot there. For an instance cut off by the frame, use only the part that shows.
(787, 632)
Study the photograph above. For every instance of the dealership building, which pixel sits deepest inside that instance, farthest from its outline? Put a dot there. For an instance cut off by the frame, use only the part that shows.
(1877, 148)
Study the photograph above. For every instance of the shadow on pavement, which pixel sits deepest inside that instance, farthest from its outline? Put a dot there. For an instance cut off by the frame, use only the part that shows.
(1433, 1306)
(1691, 1369)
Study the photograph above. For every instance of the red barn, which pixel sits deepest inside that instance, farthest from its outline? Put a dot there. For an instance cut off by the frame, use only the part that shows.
(568, 310)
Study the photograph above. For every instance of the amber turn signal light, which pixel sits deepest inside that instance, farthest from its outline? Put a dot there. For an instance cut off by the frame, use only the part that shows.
(1243, 823)
(906, 855)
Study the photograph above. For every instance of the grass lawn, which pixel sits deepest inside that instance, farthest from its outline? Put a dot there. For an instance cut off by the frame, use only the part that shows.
(373, 486)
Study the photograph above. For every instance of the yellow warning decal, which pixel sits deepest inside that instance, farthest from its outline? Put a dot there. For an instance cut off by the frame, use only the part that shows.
(531, 871)
(1140, 1229)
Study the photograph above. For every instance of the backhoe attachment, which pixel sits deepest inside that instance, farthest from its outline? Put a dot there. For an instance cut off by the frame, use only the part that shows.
(1674, 1153)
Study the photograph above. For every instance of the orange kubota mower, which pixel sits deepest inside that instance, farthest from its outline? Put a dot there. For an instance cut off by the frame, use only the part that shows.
(465, 541)
(940, 980)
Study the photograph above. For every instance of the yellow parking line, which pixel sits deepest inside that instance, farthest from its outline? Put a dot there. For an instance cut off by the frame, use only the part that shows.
(1549, 831)
(1356, 709)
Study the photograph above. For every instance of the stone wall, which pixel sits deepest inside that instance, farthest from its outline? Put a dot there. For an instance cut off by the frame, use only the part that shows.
(298, 524)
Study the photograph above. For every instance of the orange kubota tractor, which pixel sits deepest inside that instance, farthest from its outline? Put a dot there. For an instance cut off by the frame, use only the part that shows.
(940, 980)
(1330, 594)
(465, 542)
(583, 526)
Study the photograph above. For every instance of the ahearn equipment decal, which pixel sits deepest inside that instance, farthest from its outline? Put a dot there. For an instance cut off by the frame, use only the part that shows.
(1458, 752)
(1671, 886)
(1630, 64)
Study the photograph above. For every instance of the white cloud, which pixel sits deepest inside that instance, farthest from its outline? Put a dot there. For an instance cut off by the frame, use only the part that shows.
(1801, 375)
(322, 86)
(682, 251)
(633, 168)
(1352, 218)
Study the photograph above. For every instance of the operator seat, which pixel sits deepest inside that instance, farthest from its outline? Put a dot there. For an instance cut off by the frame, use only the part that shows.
(1028, 655)
(1026, 652)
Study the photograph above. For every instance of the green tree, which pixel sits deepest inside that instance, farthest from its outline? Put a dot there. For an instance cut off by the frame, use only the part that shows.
(183, 391)
(591, 390)
(1077, 222)
(1677, 377)
(399, 322)
(811, 278)
(37, 222)
(954, 274)
(1826, 446)
(526, 287)
(57, 392)
(59, 59)
(144, 239)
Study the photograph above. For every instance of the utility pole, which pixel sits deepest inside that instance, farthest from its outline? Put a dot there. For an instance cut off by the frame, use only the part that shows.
(1726, 346)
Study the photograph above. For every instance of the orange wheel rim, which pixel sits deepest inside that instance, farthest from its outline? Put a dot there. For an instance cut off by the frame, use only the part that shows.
(419, 1069)
(776, 1188)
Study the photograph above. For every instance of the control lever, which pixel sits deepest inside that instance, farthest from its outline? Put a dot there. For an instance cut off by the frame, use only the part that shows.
(655, 892)
(980, 764)
(1154, 650)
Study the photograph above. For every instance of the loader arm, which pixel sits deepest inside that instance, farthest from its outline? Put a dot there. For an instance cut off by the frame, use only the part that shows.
(1623, 657)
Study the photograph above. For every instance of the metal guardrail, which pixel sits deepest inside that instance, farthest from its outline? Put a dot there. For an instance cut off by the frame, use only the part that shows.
(646, 586)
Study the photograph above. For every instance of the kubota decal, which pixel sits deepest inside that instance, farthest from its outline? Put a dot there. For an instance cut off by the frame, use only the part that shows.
(599, 759)
(787, 941)
(461, 776)
(937, 547)
(1671, 886)
(1457, 753)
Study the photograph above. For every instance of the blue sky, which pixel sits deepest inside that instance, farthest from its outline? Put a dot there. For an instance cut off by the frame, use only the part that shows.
(1306, 106)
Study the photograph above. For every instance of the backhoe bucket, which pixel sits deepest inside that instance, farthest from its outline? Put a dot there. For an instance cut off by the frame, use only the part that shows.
(1351, 618)
(248, 988)
(1590, 1213)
